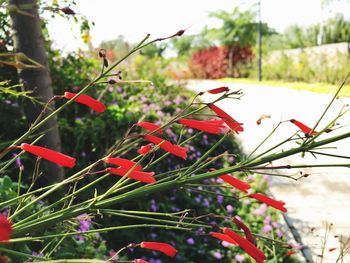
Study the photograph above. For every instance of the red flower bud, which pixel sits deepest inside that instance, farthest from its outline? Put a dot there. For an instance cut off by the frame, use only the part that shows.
(218, 90)
(125, 163)
(231, 122)
(223, 237)
(145, 149)
(150, 126)
(86, 100)
(305, 129)
(162, 247)
(240, 185)
(269, 201)
(249, 247)
(50, 155)
(167, 146)
(145, 177)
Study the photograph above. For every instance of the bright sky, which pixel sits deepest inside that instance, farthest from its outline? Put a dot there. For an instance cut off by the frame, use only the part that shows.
(135, 18)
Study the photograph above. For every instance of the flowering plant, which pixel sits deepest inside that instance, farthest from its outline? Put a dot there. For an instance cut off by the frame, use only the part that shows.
(134, 179)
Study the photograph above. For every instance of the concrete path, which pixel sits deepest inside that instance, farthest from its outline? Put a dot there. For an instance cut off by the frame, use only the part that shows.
(321, 199)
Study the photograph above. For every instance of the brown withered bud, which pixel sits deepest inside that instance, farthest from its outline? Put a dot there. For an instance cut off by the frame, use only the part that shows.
(105, 62)
(180, 33)
(102, 53)
(262, 117)
(112, 81)
(68, 11)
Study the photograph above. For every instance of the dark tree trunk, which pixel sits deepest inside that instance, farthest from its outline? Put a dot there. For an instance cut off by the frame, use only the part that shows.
(29, 40)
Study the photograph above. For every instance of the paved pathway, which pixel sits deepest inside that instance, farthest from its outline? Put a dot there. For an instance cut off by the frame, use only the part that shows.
(313, 202)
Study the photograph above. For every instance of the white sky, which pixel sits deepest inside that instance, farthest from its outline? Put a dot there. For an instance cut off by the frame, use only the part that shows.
(135, 18)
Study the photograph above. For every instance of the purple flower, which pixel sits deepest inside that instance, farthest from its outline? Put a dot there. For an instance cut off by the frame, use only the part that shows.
(276, 225)
(230, 209)
(18, 162)
(84, 225)
(267, 228)
(206, 202)
(155, 260)
(154, 206)
(217, 255)
(35, 254)
(190, 241)
(239, 258)
(267, 219)
(279, 233)
(261, 210)
(220, 199)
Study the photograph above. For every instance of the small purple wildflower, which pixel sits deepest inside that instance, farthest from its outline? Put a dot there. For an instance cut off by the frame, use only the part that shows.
(239, 258)
(18, 162)
(154, 207)
(190, 241)
(217, 255)
(267, 219)
(230, 209)
(261, 210)
(267, 229)
(220, 199)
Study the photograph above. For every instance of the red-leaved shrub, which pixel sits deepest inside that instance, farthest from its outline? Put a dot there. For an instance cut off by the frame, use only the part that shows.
(213, 62)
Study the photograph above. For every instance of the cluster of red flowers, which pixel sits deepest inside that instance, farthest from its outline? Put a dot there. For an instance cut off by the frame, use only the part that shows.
(134, 170)
(247, 243)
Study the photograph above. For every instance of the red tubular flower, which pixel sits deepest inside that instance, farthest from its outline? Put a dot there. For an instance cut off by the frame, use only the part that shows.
(218, 90)
(240, 185)
(249, 247)
(150, 126)
(246, 230)
(125, 163)
(290, 252)
(223, 237)
(145, 149)
(269, 201)
(139, 260)
(86, 100)
(145, 177)
(305, 129)
(209, 126)
(50, 155)
(231, 122)
(167, 146)
(162, 247)
(5, 229)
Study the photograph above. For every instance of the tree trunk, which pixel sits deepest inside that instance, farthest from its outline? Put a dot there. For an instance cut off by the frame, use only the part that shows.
(28, 39)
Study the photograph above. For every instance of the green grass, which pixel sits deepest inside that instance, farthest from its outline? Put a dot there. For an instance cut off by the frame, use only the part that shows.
(314, 87)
